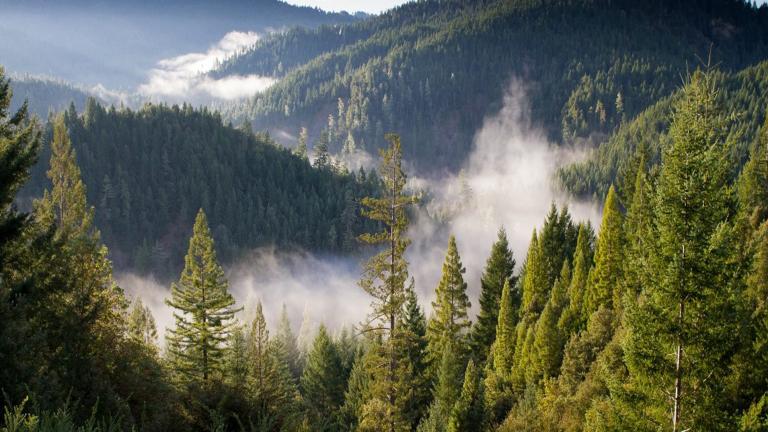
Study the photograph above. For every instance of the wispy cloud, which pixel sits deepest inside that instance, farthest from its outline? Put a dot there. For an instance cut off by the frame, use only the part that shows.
(185, 77)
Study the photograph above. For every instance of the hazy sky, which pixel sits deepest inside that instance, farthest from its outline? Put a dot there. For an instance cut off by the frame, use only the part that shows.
(370, 6)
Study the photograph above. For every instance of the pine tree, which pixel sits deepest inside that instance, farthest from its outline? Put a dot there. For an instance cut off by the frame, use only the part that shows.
(498, 394)
(204, 310)
(141, 324)
(468, 413)
(285, 337)
(236, 364)
(384, 274)
(301, 147)
(257, 344)
(688, 309)
(322, 383)
(572, 319)
(448, 386)
(497, 274)
(450, 322)
(19, 145)
(357, 393)
(604, 287)
(413, 380)
(548, 345)
(321, 154)
(534, 281)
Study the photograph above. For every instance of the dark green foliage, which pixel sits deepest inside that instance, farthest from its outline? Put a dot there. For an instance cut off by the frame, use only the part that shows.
(148, 171)
(204, 310)
(497, 274)
(414, 69)
(323, 384)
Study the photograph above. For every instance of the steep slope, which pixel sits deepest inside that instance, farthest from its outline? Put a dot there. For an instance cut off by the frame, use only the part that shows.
(743, 93)
(148, 171)
(433, 70)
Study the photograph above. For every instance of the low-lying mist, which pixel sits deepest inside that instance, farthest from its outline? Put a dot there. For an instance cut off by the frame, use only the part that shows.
(506, 181)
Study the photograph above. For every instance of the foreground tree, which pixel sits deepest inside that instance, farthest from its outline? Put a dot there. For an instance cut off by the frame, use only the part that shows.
(689, 310)
(385, 274)
(323, 384)
(498, 272)
(204, 310)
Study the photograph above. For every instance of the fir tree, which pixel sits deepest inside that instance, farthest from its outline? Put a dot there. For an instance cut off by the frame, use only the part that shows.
(450, 322)
(301, 147)
(549, 341)
(322, 384)
(498, 394)
(604, 287)
(688, 308)
(572, 319)
(204, 310)
(468, 413)
(411, 342)
(141, 324)
(321, 155)
(285, 337)
(384, 274)
(497, 274)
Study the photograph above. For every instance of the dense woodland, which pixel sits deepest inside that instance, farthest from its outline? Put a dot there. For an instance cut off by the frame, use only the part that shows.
(588, 65)
(656, 320)
(148, 171)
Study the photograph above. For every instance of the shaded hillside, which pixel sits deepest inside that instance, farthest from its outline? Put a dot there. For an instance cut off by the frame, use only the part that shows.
(149, 171)
(744, 94)
(433, 70)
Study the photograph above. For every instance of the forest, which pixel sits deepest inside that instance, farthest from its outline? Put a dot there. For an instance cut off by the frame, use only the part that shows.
(592, 65)
(655, 320)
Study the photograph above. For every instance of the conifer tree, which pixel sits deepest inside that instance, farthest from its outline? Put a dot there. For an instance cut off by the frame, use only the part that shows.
(19, 144)
(385, 273)
(498, 273)
(604, 287)
(498, 394)
(256, 350)
(287, 339)
(301, 147)
(448, 386)
(322, 383)
(357, 392)
(549, 340)
(450, 322)
(572, 319)
(468, 414)
(534, 281)
(236, 364)
(204, 310)
(414, 384)
(687, 311)
(321, 153)
(141, 324)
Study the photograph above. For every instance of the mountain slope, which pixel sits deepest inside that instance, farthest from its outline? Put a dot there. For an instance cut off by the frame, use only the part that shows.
(743, 93)
(148, 171)
(116, 43)
(588, 64)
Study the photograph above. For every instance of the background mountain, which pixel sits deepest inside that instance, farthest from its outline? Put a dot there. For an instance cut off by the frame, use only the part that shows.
(434, 70)
(116, 43)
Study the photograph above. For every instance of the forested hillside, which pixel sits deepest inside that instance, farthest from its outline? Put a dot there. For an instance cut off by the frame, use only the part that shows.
(655, 320)
(588, 65)
(744, 94)
(45, 96)
(148, 171)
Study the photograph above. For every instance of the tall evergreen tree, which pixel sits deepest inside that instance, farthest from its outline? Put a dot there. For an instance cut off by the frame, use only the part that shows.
(286, 337)
(301, 147)
(468, 414)
(413, 377)
(497, 274)
(450, 322)
(688, 309)
(498, 394)
(604, 287)
(204, 310)
(385, 273)
(322, 384)
(572, 319)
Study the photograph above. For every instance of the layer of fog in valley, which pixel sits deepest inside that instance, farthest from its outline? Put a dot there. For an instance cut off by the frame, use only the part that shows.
(506, 181)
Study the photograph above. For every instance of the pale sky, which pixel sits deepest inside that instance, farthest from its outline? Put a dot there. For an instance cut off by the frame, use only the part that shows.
(351, 6)
(369, 6)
